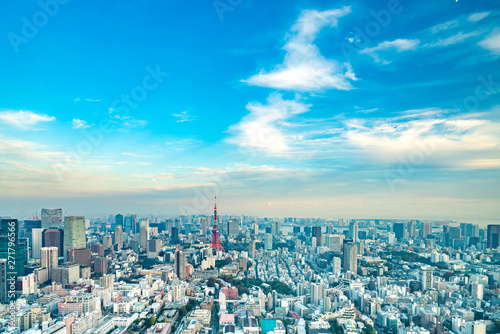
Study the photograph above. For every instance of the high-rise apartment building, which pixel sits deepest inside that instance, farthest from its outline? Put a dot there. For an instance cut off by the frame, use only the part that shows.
(144, 233)
(251, 249)
(351, 257)
(353, 230)
(399, 230)
(36, 242)
(316, 233)
(180, 264)
(233, 227)
(49, 259)
(119, 237)
(268, 241)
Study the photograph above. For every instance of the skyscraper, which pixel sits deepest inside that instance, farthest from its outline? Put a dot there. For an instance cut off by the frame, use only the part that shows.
(144, 233)
(425, 229)
(119, 237)
(268, 241)
(53, 237)
(351, 257)
(493, 237)
(336, 265)
(129, 222)
(119, 220)
(399, 230)
(412, 225)
(3, 280)
(251, 249)
(426, 277)
(74, 233)
(203, 224)
(233, 227)
(36, 242)
(52, 218)
(49, 258)
(180, 264)
(316, 233)
(9, 233)
(353, 230)
(275, 228)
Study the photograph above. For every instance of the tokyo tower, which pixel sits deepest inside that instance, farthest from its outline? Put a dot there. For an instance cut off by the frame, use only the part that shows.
(215, 232)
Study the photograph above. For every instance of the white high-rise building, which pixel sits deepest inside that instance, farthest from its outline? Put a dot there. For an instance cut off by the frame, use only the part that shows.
(49, 257)
(476, 327)
(337, 266)
(477, 291)
(335, 242)
(36, 242)
(392, 238)
(426, 278)
(316, 293)
(268, 241)
(353, 231)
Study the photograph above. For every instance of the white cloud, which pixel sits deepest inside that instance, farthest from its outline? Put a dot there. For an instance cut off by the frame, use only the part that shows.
(444, 26)
(80, 124)
(184, 117)
(265, 128)
(304, 68)
(78, 99)
(398, 45)
(24, 120)
(457, 38)
(492, 42)
(478, 16)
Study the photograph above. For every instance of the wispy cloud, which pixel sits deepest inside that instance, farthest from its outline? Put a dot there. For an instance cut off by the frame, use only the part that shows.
(184, 117)
(304, 68)
(24, 120)
(398, 45)
(263, 127)
(80, 124)
(478, 16)
(492, 42)
(78, 99)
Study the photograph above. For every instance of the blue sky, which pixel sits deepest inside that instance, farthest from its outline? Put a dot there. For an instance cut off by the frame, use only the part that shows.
(284, 108)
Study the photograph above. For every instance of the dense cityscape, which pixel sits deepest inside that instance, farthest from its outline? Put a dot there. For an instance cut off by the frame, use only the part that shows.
(224, 274)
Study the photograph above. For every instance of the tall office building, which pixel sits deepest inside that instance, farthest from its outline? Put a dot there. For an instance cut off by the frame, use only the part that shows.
(251, 249)
(399, 230)
(119, 220)
(144, 233)
(180, 264)
(412, 228)
(203, 226)
(74, 234)
(119, 237)
(351, 257)
(36, 242)
(174, 237)
(334, 242)
(233, 227)
(275, 228)
(52, 218)
(425, 229)
(53, 237)
(101, 265)
(268, 241)
(336, 266)
(129, 223)
(426, 277)
(316, 233)
(316, 293)
(353, 230)
(49, 259)
(493, 236)
(9, 232)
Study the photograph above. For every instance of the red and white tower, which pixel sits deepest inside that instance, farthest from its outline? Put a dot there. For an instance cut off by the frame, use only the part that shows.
(215, 232)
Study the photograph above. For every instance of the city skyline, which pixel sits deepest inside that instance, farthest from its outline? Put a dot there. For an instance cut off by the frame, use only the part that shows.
(305, 108)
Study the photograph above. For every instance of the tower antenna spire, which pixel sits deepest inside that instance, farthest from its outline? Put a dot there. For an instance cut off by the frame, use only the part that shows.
(215, 244)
